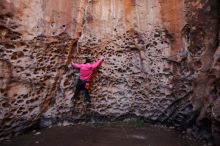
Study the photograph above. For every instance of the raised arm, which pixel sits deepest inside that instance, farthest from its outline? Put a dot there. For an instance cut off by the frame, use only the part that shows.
(97, 64)
(75, 65)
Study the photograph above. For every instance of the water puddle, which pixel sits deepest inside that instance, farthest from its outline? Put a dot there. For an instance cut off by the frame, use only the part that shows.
(102, 135)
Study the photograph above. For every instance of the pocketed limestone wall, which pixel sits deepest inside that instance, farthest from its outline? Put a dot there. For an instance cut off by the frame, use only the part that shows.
(160, 62)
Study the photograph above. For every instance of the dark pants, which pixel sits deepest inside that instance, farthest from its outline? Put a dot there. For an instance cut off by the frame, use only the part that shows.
(80, 86)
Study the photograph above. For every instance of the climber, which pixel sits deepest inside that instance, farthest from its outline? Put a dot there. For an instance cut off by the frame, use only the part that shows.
(86, 71)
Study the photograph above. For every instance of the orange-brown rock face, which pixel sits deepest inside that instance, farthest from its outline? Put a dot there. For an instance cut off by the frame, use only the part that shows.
(160, 61)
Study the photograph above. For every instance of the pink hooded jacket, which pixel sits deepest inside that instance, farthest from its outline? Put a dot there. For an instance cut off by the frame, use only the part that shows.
(86, 70)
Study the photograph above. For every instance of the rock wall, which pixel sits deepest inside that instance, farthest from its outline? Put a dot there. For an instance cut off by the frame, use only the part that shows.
(161, 62)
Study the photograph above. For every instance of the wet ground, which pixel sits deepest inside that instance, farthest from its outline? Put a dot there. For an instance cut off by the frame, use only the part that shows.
(102, 135)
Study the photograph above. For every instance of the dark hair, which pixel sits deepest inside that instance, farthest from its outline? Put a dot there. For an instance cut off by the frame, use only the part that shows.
(88, 60)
